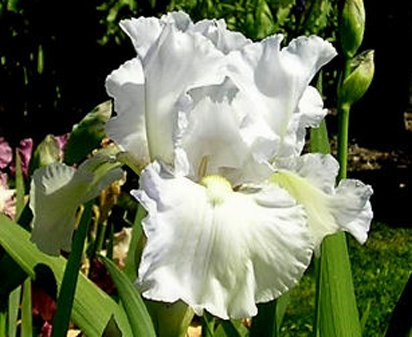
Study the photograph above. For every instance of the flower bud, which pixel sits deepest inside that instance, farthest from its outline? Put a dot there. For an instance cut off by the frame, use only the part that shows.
(47, 152)
(352, 26)
(361, 74)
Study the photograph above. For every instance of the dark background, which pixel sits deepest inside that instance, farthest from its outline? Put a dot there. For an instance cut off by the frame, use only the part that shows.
(53, 69)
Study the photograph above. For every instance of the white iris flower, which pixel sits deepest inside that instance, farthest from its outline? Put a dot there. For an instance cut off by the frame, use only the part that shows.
(218, 123)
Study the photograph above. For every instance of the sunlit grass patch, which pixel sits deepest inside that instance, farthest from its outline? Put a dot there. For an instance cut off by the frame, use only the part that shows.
(380, 269)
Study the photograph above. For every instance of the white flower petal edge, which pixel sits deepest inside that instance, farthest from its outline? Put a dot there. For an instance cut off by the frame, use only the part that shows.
(310, 180)
(174, 59)
(309, 113)
(56, 192)
(128, 127)
(217, 249)
(276, 78)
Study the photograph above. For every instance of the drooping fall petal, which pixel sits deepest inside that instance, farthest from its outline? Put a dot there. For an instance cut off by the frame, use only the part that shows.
(217, 249)
(310, 180)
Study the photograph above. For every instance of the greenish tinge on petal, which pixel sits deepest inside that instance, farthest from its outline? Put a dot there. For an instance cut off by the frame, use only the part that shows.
(328, 211)
(56, 192)
(218, 188)
(224, 257)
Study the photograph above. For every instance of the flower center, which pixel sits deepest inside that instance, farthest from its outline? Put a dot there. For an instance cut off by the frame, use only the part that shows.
(218, 188)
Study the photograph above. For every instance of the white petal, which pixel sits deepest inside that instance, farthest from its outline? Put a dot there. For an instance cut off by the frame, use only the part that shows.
(178, 62)
(276, 79)
(352, 209)
(213, 134)
(143, 32)
(214, 127)
(54, 207)
(328, 210)
(178, 19)
(128, 128)
(219, 250)
(309, 113)
(224, 39)
(56, 192)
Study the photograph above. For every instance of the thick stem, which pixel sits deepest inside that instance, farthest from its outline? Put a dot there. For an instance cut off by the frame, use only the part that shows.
(71, 273)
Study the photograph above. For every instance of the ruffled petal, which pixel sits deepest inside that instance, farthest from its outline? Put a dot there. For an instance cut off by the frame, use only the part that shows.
(178, 62)
(309, 113)
(54, 207)
(56, 192)
(128, 127)
(143, 32)
(224, 39)
(216, 249)
(276, 79)
(328, 209)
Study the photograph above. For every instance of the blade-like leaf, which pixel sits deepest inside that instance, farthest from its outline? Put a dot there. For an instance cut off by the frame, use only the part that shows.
(92, 307)
(135, 246)
(26, 310)
(14, 303)
(139, 318)
(231, 329)
(336, 309)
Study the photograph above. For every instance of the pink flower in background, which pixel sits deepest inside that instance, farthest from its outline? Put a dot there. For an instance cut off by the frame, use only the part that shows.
(7, 198)
(62, 141)
(6, 154)
(25, 150)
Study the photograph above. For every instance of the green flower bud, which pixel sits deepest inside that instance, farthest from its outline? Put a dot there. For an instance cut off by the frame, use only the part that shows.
(352, 26)
(355, 85)
(47, 152)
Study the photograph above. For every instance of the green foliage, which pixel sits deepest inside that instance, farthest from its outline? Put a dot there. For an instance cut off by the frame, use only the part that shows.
(92, 308)
(259, 18)
(133, 304)
(87, 135)
(380, 270)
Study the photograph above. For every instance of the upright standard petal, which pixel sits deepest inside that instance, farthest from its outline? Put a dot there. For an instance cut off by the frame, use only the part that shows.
(276, 78)
(224, 39)
(178, 62)
(311, 182)
(128, 128)
(217, 249)
(56, 192)
(174, 58)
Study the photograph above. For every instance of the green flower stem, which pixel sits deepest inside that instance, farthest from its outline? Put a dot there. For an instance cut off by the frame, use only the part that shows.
(101, 234)
(68, 286)
(343, 142)
(343, 127)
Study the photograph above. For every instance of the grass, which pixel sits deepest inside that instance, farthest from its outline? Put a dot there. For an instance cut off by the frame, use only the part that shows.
(380, 269)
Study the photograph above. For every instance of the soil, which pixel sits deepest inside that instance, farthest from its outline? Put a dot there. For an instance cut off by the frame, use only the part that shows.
(389, 173)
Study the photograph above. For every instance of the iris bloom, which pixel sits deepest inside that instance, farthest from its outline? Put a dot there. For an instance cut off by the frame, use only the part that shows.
(218, 124)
